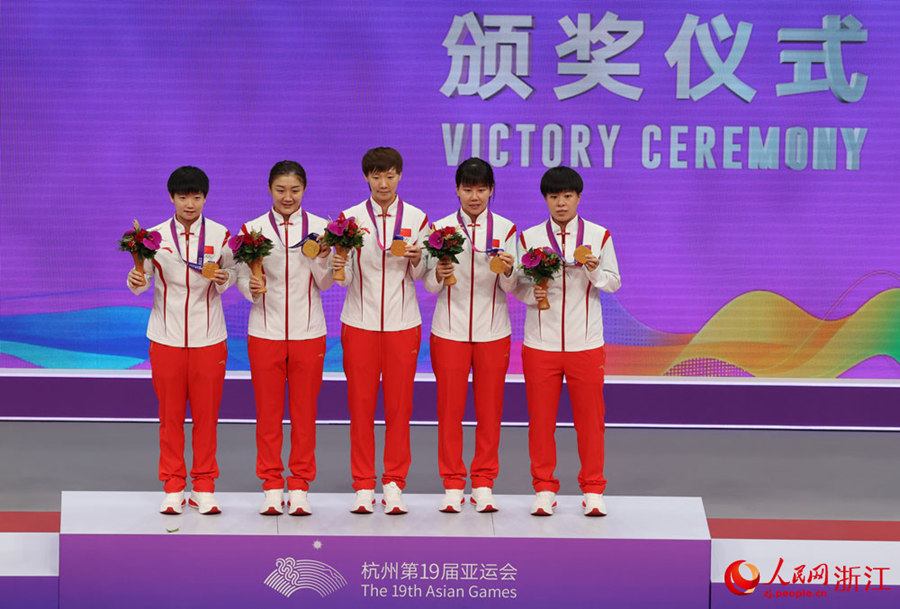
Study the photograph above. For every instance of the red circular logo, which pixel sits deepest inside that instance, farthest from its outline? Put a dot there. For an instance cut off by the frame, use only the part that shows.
(737, 583)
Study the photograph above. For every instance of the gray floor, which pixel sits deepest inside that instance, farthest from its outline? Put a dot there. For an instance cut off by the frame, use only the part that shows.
(739, 474)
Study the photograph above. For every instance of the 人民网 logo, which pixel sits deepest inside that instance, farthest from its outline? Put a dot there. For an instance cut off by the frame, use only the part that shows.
(291, 574)
(736, 582)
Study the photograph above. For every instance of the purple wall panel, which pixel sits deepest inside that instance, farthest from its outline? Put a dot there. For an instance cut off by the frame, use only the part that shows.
(680, 404)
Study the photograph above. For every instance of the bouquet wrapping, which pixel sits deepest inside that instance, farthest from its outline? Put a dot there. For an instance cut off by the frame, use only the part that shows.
(343, 234)
(444, 244)
(250, 248)
(540, 264)
(142, 244)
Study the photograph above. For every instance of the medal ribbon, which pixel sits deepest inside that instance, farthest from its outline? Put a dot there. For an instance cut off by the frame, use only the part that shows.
(398, 225)
(555, 245)
(304, 225)
(196, 266)
(489, 249)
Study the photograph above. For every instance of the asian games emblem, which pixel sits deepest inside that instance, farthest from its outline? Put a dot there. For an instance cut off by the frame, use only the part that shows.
(293, 574)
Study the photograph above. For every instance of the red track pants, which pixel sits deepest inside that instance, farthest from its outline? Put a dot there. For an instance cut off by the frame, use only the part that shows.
(583, 370)
(182, 375)
(370, 355)
(298, 363)
(451, 361)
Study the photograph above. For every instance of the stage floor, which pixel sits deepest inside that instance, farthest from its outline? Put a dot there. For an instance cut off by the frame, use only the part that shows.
(739, 474)
(766, 485)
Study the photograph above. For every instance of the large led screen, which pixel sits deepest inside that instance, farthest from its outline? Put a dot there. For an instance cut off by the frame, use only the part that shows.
(743, 155)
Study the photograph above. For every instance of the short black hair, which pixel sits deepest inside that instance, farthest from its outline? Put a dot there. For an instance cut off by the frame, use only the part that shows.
(188, 180)
(381, 158)
(561, 179)
(474, 172)
(287, 168)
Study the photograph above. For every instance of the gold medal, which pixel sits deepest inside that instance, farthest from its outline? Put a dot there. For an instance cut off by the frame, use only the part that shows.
(581, 253)
(209, 270)
(398, 248)
(311, 248)
(497, 265)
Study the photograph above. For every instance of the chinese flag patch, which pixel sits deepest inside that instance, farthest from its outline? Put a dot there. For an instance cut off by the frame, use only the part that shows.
(208, 249)
(406, 232)
(495, 243)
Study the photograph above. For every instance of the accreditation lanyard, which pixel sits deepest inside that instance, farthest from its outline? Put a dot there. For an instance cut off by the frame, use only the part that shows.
(196, 266)
(555, 244)
(490, 250)
(398, 225)
(304, 225)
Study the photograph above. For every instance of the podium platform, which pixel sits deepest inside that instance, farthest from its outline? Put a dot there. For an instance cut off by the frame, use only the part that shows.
(29, 570)
(116, 550)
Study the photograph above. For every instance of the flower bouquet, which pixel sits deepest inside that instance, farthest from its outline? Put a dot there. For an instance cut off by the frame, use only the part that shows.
(142, 244)
(540, 264)
(250, 248)
(444, 244)
(344, 234)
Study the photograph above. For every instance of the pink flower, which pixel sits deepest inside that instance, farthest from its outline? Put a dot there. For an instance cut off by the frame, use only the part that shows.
(338, 226)
(530, 260)
(435, 240)
(152, 240)
(235, 242)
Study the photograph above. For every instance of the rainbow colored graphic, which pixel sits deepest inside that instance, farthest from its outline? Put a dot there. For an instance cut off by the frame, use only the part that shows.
(763, 334)
(757, 334)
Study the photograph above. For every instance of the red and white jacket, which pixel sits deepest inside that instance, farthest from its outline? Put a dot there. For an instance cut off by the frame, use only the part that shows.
(291, 307)
(475, 309)
(187, 307)
(574, 321)
(381, 293)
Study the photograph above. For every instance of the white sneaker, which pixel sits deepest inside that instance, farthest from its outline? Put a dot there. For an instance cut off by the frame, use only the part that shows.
(483, 498)
(298, 503)
(273, 504)
(393, 499)
(593, 504)
(365, 502)
(204, 502)
(453, 501)
(544, 503)
(173, 503)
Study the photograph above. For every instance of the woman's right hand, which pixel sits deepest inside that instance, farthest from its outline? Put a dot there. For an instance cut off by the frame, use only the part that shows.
(135, 279)
(257, 285)
(443, 270)
(339, 260)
